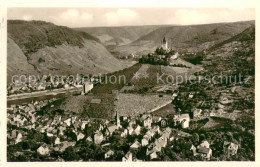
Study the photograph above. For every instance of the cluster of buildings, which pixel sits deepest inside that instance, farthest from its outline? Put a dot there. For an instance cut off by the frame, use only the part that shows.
(45, 83)
(155, 131)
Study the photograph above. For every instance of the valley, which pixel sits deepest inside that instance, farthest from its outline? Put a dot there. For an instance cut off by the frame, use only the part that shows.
(184, 93)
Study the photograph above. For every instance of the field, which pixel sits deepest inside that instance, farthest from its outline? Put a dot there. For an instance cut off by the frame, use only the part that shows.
(149, 82)
(134, 104)
(82, 105)
(108, 87)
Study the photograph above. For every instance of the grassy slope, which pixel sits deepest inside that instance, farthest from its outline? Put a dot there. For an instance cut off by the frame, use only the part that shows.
(60, 49)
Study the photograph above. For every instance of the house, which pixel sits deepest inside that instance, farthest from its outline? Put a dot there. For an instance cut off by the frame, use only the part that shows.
(204, 144)
(57, 141)
(18, 138)
(161, 142)
(80, 136)
(130, 130)
(68, 121)
(155, 129)
(150, 133)
(135, 145)
(166, 133)
(205, 153)
(124, 133)
(109, 154)
(147, 121)
(89, 139)
(137, 130)
(87, 87)
(98, 137)
(110, 129)
(185, 123)
(153, 155)
(175, 56)
(153, 148)
(183, 119)
(128, 157)
(49, 134)
(43, 150)
(145, 140)
(230, 148)
(83, 124)
(204, 150)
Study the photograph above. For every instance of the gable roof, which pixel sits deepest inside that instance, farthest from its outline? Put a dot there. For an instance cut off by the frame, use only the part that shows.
(203, 150)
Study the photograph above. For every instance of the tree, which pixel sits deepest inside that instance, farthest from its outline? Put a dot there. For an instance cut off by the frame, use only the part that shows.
(70, 155)
(195, 137)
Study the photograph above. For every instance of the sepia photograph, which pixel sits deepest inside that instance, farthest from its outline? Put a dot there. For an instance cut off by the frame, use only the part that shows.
(128, 84)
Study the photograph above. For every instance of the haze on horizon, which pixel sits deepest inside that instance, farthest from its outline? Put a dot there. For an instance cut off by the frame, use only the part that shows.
(102, 17)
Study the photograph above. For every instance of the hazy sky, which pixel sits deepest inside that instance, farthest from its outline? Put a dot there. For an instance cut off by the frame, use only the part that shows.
(89, 17)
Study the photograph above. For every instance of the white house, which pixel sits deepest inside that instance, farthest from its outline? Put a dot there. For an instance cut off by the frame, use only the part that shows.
(128, 157)
(205, 153)
(57, 141)
(232, 148)
(145, 140)
(68, 121)
(183, 119)
(204, 150)
(87, 87)
(153, 155)
(124, 133)
(43, 150)
(135, 145)
(18, 138)
(147, 120)
(109, 154)
(80, 136)
(137, 130)
(98, 138)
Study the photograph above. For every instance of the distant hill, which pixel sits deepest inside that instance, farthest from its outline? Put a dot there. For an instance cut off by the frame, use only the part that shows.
(118, 35)
(41, 47)
(185, 38)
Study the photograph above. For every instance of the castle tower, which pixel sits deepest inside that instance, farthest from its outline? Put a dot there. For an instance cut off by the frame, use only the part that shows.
(164, 44)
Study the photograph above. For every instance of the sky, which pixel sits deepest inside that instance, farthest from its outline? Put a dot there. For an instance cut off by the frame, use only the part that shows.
(96, 17)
